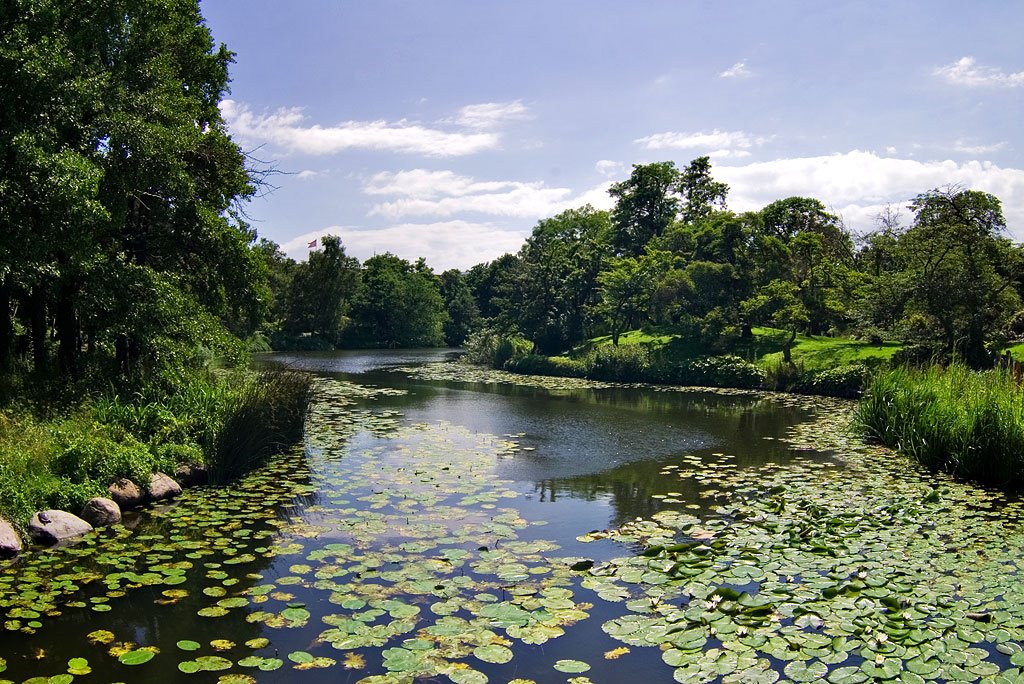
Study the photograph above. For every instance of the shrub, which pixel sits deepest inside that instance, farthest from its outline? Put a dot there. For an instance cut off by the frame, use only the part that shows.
(844, 381)
(558, 366)
(716, 371)
(509, 349)
(622, 363)
(785, 377)
(97, 456)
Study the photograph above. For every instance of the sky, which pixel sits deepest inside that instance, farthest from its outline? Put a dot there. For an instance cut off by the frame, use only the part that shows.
(447, 129)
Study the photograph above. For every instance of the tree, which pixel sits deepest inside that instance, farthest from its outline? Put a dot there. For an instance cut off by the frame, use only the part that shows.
(960, 272)
(645, 204)
(463, 315)
(627, 286)
(400, 304)
(118, 158)
(322, 292)
(701, 194)
(549, 298)
(778, 304)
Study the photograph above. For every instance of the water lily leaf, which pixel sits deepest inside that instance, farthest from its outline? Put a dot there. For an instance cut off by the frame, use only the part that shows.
(187, 645)
(571, 666)
(493, 653)
(136, 657)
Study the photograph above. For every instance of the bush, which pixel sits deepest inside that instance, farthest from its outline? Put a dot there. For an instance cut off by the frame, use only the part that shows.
(622, 363)
(557, 366)
(510, 349)
(786, 377)
(97, 457)
(845, 381)
(954, 420)
(716, 371)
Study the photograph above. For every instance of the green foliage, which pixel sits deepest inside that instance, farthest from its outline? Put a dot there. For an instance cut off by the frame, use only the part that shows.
(715, 371)
(511, 348)
(463, 314)
(621, 363)
(399, 304)
(265, 415)
(97, 455)
(555, 366)
(967, 423)
(843, 381)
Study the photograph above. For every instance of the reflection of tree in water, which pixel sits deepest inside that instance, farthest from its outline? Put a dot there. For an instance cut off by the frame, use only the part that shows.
(631, 487)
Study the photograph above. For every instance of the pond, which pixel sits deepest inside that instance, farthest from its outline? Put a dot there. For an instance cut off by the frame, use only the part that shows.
(448, 523)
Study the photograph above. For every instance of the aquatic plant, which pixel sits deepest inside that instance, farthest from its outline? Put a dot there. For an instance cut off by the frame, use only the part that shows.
(265, 416)
(952, 419)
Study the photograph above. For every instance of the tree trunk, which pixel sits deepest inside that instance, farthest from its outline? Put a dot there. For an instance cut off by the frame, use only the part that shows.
(6, 324)
(37, 323)
(67, 330)
(787, 348)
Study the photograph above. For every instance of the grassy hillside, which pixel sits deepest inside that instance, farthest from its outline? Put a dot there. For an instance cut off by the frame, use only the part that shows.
(765, 348)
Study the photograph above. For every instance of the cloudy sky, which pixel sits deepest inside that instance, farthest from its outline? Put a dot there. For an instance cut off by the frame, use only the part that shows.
(446, 129)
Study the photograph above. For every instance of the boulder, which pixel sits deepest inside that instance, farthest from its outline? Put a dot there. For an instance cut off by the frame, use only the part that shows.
(51, 527)
(191, 475)
(126, 494)
(163, 487)
(10, 542)
(101, 512)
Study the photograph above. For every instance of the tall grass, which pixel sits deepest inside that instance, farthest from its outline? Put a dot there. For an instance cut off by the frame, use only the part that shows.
(264, 417)
(969, 424)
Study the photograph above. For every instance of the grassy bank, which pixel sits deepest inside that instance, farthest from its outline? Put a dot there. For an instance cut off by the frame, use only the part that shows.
(228, 422)
(822, 365)
(966, 423)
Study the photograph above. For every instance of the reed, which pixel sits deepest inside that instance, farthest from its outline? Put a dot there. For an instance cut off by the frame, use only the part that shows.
(263, 417)
(966, 423)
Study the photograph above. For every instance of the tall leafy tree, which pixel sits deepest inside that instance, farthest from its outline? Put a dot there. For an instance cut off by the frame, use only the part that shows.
(556, 282)
(463, 315)
(323, 291)
(701, 194)
(645, 205)
(400, 303)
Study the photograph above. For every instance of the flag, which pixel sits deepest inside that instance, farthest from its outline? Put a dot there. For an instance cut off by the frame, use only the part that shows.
(312, 244)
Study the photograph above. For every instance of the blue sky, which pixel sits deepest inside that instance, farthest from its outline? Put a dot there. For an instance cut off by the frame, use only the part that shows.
(447, 129)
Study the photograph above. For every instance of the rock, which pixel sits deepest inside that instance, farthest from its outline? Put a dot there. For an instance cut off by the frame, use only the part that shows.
(126, 494)
(163, 487)
(101, 512)
(191, 474)
(50, 527)
(10, 542)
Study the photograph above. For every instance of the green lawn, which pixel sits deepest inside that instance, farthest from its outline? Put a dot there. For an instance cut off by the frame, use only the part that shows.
(815, 353)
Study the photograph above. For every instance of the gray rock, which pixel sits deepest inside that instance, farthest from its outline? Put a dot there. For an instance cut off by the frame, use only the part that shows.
(163, 487)
(126, 494)
(50, 527)
(10, 542)
(191, 474)
(101, 512)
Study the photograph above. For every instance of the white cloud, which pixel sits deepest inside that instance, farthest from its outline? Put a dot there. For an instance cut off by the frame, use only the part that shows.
(424, 184)
(490, 114)
(287, 128)
(859, 184)
(890, 150)
(448, 244)
(966, 72)
(307, 174)
(737, 70)
(609, 168)
(720, 141)
(421, 192)
(963, 146)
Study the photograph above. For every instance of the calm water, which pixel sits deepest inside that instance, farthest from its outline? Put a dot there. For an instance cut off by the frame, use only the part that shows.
(366, 501)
